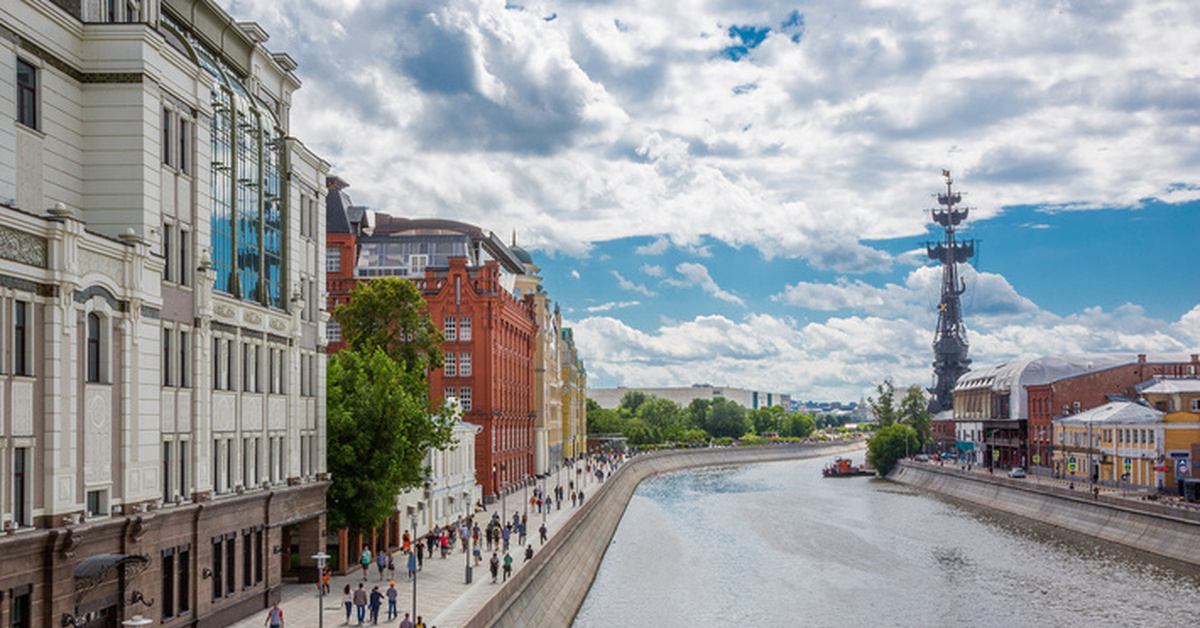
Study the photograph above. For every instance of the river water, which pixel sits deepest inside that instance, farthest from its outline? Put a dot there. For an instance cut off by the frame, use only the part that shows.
(778, 545)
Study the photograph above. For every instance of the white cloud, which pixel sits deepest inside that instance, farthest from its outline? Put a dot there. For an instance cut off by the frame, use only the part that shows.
(575, 273)
(654, 270)
(629, 285)
(657, 247)
(611, 305)
(696, 275)
(622, 118)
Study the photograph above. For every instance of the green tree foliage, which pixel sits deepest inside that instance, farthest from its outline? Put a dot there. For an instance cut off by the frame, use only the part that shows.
(726, 418)
(884, 407)
(913, 413)
(603, 421)
(798, 425)
(380, 429)
(696, 413)
(390, 313)
(890, 444)
(633, 400)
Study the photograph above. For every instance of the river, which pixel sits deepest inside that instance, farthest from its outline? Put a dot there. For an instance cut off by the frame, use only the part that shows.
(778, 545)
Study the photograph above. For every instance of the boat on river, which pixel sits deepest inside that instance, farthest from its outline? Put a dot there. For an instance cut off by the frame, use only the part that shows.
(842, 468)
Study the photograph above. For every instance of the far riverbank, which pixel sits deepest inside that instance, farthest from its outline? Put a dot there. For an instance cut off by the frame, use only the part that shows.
(1163, 530)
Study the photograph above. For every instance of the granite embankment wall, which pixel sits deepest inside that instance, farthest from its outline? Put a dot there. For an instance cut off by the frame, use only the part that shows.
(1156, 528)
(549, 591)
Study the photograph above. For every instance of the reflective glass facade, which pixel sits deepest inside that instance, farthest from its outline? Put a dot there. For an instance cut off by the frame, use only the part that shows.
(248, 187)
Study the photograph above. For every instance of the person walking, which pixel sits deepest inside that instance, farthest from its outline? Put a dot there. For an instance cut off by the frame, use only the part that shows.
(360, 603)
(412, 566)
(420, 556)
(391, 568)
(274, 617)
(507, 566)
(365, 561)
(376, 601)
(494, 566)
(478, 554)
(381, 564)
(580, 497)
(542, 532)
(420, 622)
(529, 552)
(392, 594)
(406, 622)
(347, 601)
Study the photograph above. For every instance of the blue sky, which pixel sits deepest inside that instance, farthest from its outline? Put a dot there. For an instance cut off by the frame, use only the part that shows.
(734, 192)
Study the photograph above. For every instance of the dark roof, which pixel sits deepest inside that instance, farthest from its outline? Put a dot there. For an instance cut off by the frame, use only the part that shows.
(336, 205)
(386, 225)
(521, 254)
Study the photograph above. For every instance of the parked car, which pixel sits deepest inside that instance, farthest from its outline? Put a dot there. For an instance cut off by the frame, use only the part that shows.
(1016, 472)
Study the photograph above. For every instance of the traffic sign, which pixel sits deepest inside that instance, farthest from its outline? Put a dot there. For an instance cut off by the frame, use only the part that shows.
(1037, 459)
(1181, 467)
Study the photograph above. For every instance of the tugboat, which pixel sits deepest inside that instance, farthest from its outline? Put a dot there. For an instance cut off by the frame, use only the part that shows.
(841, 468)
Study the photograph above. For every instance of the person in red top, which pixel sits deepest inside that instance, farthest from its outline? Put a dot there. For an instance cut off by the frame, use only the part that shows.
(274, 617)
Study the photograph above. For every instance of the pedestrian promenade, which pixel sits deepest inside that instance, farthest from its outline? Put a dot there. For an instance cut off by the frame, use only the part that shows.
(443, 598)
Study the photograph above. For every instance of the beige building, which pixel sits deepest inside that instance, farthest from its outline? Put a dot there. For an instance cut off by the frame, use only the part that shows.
(574, 397)
(162, 404)
(547, 374)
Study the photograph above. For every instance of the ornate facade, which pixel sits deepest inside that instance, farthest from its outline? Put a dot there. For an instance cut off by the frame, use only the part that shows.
(161, 359)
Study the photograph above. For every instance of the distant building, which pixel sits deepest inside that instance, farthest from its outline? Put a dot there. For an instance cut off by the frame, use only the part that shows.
(683, 396)
(547, 367)
(574, 397)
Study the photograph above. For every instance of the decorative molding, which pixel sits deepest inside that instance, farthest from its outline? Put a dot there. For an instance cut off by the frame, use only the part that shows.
(150, 312)
(278, 325)
(71, 542)
(252, 317)
(224, 310)
(71, 71)
(23, 248)
(24, 285)
(83, 296)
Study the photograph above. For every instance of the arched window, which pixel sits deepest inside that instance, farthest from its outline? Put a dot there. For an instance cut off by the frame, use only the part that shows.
(93, 347)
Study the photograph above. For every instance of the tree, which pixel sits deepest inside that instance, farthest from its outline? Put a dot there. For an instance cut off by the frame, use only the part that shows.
(798, 425)
(726, 418)
(769, 419)
(891, 443)
(380, 430)
(913, 413)
(884, 406)
(390, 313)
(696, 414)
(633, 400)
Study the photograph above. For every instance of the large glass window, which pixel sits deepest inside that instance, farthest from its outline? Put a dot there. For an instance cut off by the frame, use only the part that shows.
(20, 338)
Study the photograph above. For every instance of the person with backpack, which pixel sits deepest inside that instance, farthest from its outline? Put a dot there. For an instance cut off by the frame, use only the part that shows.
(494, 566)
(375, 603)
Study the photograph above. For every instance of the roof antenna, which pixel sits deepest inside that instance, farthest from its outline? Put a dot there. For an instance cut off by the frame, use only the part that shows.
(514, 237)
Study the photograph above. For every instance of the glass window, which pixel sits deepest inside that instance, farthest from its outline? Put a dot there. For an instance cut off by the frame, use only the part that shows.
(333, 260)
(27, 97)
(464, 328)
(183, 359)
(449, 365)
(167, 252)
(167, 144)
(167, 469)
(95, 503)
(464, 365)
(21, 486)
(93, 347)
(22, 610)
(450, 328)
(168, 584)
(166, 357)
(218, 570)
(464, 398)
(333, 331)
(182, 583)
(184, 132)
(21, 338)
(184, 263)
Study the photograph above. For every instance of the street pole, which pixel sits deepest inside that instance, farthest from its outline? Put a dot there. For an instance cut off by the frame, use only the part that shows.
(467, 546)
(321, 558)
(414, 536)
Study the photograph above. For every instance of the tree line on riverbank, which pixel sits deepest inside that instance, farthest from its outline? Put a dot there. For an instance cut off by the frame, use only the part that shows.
(648, 420)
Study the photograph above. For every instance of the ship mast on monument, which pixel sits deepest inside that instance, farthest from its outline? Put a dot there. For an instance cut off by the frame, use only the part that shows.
(950, 359)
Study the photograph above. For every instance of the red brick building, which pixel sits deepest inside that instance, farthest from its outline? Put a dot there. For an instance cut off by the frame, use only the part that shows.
(1085, 391)
(488, 350)
(466, 276)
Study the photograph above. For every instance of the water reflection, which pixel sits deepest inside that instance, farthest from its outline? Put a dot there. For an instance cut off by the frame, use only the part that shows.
(777, 545)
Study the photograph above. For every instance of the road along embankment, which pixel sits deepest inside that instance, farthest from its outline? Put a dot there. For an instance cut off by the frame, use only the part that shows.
(549, 591)
(1166, 531)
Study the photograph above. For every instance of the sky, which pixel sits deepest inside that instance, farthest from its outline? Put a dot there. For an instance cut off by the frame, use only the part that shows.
(736, 192)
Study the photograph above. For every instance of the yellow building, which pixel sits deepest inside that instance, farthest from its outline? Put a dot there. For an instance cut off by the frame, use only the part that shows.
(1144, 444)
(574, 397)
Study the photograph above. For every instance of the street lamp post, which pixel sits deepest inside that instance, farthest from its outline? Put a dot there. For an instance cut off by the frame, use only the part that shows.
(467, 551)
(321, 558)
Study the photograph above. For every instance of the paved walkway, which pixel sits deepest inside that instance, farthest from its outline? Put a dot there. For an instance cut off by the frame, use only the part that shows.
(444, 600)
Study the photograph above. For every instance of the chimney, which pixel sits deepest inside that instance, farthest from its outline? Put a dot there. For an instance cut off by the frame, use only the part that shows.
(1141, 358)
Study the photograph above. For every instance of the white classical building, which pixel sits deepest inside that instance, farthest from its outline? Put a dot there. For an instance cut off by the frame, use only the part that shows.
(162, 404)
(450, 491)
